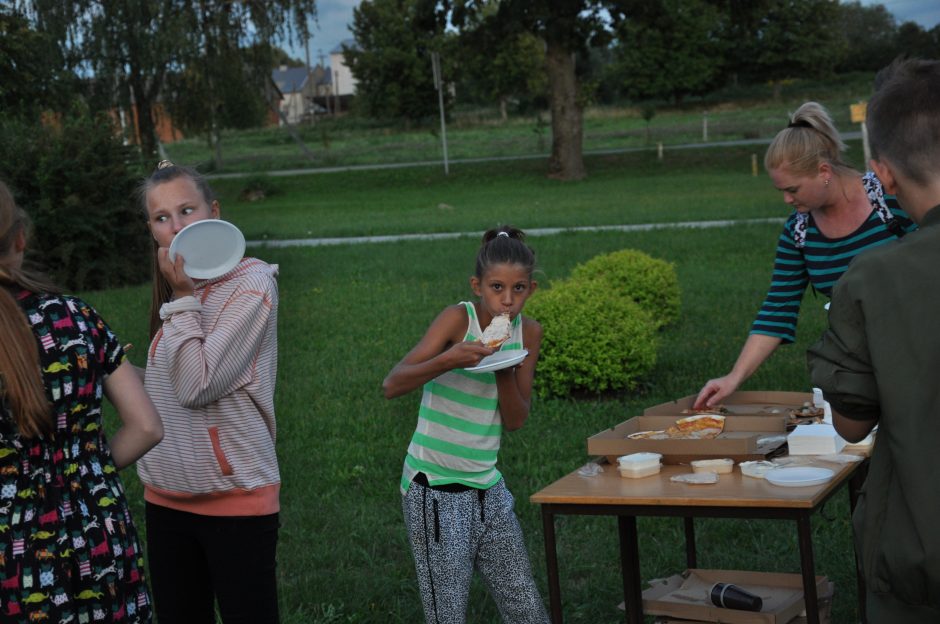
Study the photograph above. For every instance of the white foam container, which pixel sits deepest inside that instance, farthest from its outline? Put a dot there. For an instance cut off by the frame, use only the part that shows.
(718, 466)
(638, 465)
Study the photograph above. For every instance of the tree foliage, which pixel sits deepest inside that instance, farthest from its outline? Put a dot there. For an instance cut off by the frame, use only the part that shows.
(869, 33)
(669, 51)
(32, 72)
(131, 47)
(795, 39)
(392, 62)
(72, 178)
(497, 68)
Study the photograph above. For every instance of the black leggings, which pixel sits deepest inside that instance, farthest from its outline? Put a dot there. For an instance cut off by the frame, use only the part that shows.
(196, 560)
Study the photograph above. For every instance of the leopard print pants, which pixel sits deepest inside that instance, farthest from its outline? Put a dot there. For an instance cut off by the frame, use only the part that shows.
(451, 533)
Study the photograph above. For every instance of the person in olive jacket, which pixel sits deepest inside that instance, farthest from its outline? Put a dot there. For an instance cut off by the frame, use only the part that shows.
(878, 361)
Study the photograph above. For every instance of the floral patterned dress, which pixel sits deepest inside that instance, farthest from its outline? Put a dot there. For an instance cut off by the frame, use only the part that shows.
(69, 552)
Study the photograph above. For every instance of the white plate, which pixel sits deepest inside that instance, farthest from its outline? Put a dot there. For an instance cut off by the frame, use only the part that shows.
(210, 248)
(499, 361)
(798, 476)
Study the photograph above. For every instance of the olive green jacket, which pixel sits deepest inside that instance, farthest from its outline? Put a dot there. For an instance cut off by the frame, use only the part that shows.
(880, 359)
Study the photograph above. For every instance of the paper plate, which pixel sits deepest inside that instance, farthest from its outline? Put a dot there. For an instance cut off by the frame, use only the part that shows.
(499, 361)
(798, 476)
(210, 248)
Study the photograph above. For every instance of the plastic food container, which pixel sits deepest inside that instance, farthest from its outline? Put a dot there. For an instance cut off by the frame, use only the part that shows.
(638, 465)
(718, 466)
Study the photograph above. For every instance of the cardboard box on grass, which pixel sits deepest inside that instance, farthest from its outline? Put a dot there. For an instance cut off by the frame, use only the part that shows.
(685, 596)
(752, 417)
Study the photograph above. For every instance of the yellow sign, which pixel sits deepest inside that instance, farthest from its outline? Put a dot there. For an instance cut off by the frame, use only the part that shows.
(858, 112)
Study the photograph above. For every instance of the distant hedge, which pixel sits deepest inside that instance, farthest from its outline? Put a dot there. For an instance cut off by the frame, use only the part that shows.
(601, 326)
(74, 178)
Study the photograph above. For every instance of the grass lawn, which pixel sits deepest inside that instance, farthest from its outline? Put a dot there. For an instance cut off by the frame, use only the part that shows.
(349, 312)
(688, 185)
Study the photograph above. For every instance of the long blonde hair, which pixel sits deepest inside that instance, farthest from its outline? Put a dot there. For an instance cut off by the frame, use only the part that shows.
(21, 384)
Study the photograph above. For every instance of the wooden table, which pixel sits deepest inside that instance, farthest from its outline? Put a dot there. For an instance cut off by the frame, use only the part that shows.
(734, 496)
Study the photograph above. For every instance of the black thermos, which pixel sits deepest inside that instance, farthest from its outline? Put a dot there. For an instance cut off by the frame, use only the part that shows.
(733, 597)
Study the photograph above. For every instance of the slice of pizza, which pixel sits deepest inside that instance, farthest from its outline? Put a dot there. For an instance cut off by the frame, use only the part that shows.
(700, 426)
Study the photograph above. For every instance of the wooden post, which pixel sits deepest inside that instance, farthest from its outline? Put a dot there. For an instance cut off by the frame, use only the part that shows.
(659, 151)
(754, 165)
(705, 126)
(858, 116)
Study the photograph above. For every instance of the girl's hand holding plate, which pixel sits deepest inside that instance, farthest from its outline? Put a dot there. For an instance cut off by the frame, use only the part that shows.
(467, 354)
(174, 274)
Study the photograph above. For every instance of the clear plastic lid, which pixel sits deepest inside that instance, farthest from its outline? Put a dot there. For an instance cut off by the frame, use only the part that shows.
(636, 460)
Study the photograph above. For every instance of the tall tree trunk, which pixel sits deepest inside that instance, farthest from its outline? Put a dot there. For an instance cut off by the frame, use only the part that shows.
(503, 113)
(146, 129)
(567, 160)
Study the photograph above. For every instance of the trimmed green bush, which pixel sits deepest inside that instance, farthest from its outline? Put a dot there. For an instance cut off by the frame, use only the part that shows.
(595, 339)
(651, 282)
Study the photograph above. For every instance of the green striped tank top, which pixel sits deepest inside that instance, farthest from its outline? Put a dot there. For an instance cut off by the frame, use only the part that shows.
(459, 425)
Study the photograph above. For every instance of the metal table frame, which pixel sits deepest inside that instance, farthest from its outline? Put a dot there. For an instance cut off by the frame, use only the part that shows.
(629, 546)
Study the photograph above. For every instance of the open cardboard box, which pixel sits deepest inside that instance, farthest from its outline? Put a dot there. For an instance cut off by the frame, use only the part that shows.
(738, 441)
(825, 611)
(748, 403)
(752, 417)
(685, 596)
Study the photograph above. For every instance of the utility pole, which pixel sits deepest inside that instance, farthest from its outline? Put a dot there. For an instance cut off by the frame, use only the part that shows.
(309, 107)
(336, 92)
(439, 85)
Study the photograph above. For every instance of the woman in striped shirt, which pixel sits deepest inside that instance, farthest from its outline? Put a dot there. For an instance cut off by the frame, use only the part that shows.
(458, 510)
(212, 486)
(838, 213)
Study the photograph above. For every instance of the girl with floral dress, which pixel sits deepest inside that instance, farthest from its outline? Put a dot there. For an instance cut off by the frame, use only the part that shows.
(69, 550)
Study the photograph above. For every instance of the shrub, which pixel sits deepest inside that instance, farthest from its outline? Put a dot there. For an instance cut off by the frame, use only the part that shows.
(258, 187)
(650, 282)
(73, 179)
(595, 339)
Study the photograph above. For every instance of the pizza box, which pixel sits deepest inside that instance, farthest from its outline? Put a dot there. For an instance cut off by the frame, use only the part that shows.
(746, 403)
(685, 596)
(743, 438)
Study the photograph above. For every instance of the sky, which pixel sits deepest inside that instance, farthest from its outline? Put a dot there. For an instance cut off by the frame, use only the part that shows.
(334, 17)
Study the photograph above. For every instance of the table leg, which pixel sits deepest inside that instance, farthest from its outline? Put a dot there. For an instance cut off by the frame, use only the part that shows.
(808, 566)
(630, 562)
(551, 562)
(690, 558)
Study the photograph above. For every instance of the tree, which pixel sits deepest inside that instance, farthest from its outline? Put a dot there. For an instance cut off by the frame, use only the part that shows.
(131, 47)
(500, 68)
(32, 76)
(669, 51)
(869, 33)
(795, 39)
(568, 28)
(392, 62)
(914, 41)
